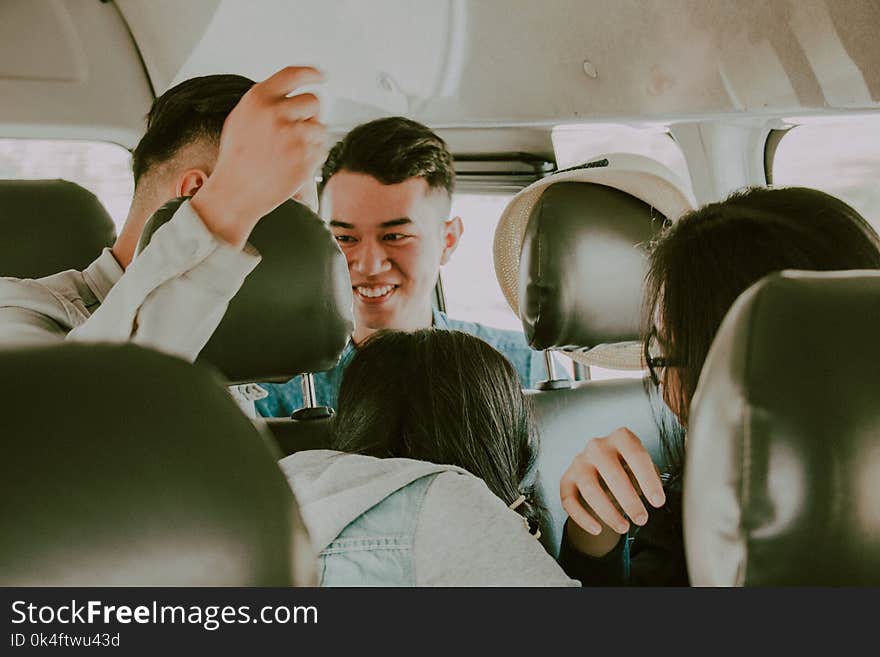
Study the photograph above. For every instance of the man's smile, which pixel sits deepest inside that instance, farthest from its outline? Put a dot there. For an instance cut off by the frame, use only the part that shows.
(374, 293)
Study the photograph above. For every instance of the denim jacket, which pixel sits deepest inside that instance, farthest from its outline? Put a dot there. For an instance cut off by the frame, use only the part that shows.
(377, 548)
(284, 398)
(400, 522)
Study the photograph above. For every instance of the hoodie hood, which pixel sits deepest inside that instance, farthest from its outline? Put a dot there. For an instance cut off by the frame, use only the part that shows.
(334, 488)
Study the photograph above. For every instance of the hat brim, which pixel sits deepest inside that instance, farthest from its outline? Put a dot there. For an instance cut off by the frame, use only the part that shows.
(613, 356)
(638, 176)
(641, 177)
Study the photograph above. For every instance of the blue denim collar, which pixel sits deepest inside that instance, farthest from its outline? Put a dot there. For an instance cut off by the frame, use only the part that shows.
(439, 320)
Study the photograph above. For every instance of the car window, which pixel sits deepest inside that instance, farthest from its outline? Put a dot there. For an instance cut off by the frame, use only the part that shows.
(579, 143)
(840, 156)
(471, 289)
(101, 167)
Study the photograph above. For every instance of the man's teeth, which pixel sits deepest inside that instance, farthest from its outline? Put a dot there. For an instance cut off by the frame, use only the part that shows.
(374, 292)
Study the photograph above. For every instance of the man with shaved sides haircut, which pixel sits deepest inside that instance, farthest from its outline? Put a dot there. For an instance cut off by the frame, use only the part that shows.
(209, 138)
(386, 192)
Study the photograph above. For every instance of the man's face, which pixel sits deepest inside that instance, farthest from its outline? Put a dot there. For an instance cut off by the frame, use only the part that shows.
(395, 237)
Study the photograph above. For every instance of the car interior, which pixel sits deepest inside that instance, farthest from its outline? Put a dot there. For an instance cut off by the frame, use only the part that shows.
(723, 95)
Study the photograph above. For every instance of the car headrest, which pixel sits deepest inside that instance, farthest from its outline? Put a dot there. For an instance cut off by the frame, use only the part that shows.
(294, 312)
(583, 265)
(571, 251)
(145, 473)
(48, 226)
(783, 452)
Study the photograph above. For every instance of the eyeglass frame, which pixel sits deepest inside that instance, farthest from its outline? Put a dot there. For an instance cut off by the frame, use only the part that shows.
(655, 363)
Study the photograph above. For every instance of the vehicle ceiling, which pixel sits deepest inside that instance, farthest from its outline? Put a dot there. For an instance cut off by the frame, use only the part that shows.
(453, 64)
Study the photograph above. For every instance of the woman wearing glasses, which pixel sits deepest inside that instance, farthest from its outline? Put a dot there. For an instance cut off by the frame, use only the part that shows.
(697, 270)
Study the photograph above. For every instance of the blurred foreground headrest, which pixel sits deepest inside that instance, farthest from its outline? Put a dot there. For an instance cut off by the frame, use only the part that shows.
(144, 473)
(782, 480)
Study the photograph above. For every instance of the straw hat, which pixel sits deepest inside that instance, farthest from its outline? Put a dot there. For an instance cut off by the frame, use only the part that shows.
(639, 176)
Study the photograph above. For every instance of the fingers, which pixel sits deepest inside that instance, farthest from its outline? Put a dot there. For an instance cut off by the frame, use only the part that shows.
(581, 485)
(314, 132)
(642, 467)
(618, 482)
(301, 107)
(598, 484)
(290, 78)
(571, 502)
(601, 503)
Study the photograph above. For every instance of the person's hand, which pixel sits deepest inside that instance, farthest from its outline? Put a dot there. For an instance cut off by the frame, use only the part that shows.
(270, 147)
(604, 482)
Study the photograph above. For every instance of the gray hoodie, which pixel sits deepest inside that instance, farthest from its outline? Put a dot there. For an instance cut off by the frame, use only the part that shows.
(465, 536)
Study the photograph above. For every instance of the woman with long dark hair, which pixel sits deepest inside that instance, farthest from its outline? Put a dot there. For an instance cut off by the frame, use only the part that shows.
(697, 270)
(432, 481)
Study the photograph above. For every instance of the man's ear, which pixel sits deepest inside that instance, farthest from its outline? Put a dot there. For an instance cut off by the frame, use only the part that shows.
(452, 230)
(190, 182)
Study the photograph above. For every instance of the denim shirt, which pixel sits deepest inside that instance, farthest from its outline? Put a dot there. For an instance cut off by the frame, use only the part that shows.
(285, 398)
(377, 548)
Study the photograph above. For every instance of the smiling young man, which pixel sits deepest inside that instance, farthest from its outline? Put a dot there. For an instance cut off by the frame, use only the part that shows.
(386, 193)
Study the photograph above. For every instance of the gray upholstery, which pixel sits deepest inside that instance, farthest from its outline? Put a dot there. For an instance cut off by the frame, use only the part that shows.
(293, 313)
(583, 264)
(48, 226)
(782, 482)
(144, 473)
(567, 419)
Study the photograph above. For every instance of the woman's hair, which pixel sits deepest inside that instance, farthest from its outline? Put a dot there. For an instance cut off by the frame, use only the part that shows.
(445, 397)
(711, 255)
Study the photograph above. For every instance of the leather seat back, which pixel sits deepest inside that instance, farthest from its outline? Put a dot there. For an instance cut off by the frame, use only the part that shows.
(49, 226)
(293, 313)
(782, 478)
(144, 473)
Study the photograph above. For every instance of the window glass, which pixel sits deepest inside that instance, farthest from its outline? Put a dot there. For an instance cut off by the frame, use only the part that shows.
(469, 284)
(840, 156)
(102, 168)
(576, 144)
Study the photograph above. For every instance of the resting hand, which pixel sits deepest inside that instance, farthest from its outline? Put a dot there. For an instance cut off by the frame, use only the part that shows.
(270, 147)
(604, 482)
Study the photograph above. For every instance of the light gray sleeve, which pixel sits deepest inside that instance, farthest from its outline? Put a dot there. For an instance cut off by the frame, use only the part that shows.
(468, 537)
(23, 326)
(174, 294)
(32, 314)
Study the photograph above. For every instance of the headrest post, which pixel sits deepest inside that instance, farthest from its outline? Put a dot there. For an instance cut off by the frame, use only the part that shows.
(308, 389)
(310, 409)
(553, 382)
(550, 365)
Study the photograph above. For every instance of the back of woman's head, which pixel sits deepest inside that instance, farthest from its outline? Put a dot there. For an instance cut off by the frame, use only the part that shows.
(445, 397)
(711, 255)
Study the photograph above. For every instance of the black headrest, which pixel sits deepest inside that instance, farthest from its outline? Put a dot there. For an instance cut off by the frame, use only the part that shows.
(783, 453)
(582, 265)
(293, 314)
(48, 226)
(144, 473)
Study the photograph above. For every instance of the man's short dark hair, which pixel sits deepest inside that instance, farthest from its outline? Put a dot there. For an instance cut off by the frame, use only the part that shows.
(192, 110)
(392, 150)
